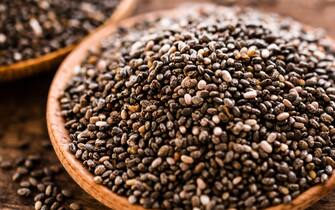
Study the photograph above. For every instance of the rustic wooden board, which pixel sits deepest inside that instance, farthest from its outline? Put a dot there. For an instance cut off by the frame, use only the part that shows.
(22, 106)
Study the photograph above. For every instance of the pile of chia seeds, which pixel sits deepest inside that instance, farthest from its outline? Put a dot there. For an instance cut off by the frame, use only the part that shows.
(206, 108)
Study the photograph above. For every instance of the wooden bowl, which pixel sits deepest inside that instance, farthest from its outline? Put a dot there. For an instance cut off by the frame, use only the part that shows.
(48, 61)
(60, 138)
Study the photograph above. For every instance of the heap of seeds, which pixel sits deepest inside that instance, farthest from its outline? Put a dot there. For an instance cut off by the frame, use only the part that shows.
(213, 108)
(31, 28)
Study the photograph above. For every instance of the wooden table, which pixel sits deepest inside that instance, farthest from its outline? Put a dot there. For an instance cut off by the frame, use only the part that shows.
(22, 106)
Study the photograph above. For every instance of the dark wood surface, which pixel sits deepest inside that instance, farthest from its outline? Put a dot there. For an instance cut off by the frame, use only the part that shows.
(22, 106)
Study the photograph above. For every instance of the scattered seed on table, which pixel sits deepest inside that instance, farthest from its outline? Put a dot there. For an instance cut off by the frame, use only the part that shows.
(38, 183)
(24, 192)
(75, 206)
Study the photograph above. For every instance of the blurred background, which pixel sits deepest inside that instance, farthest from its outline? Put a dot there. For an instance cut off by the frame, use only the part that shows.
(22, 102)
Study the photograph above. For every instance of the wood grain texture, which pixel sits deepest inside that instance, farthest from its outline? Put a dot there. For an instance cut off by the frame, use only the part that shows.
(53, 59)
(22, 108)
(60, 138)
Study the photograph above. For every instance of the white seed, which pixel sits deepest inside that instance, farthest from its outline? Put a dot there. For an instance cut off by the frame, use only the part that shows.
(182, 129)
(273, 97)
(230, 46)
(250, 94)
(130, 182)
(237, 180)
(3, 38)
(315, 104)
(102, 64)
(251, 122)
(229, 102)
(187, 159)
(273, 47)
(195, 131)
(204, 199)
(283, 147)
(188, 99)
(156, 162)
(216, 119)
(247, 148)
(132, 199)
(283, 116)
(326, 118)
(123, 114)
(226, 76)
(165, 48)
(265, 53)
(225, 195)
(202, 84)
(170, 161)
(201, 184)
(17, 56)
(75, 206)
(254, 154)
(101, 123)
(98, 179)
(100, 169)
(256, 127)
(246, 128)
(118, 180)
(38, 205)
(207, 61)
(287, 103)
(309, 158)
(272, 137)
(132, 80)
(281, 78)
(217, 131)
(265, 146)
(237, 128)
(35, 25)
(48, 190)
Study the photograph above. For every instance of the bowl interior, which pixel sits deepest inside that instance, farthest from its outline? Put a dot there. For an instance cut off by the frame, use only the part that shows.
(60, 138)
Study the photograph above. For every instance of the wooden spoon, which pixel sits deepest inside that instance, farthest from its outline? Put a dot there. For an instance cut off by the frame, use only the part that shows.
(50, 60)
(60, 137)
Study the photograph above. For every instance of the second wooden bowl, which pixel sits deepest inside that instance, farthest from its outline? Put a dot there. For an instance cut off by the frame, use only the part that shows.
(51, 60)
(60, 138)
